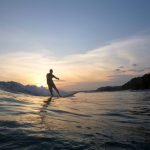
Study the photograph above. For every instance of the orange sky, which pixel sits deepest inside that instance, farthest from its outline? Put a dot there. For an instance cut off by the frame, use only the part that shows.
(114, 63)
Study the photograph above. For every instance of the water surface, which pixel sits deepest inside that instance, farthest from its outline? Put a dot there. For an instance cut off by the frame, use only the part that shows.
(105, 121)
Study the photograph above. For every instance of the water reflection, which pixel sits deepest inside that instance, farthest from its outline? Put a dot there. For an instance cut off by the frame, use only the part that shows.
(47, 102)
(43, 110)
(112, 120)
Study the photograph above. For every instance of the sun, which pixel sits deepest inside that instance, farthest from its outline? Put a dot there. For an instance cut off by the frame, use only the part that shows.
(41, 85)
(40, 82)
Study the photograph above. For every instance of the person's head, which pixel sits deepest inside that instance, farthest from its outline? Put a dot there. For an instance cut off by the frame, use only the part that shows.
(51, 70)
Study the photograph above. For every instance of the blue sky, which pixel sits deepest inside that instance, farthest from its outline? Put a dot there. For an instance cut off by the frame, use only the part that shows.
(59, 29)
(66, 27)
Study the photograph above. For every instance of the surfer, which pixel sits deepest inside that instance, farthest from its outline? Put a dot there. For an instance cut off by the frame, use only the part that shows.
(50, 82)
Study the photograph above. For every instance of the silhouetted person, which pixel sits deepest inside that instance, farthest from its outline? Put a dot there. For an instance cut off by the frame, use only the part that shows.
(50, 82)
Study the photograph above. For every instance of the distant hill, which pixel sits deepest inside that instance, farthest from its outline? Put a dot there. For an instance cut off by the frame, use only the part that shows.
(138, 83)
(110, 88)
(16, 87)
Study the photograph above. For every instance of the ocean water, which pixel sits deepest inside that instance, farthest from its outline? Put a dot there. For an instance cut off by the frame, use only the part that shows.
(85, 121)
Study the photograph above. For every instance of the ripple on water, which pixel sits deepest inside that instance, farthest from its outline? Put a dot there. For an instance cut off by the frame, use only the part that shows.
(105, 121)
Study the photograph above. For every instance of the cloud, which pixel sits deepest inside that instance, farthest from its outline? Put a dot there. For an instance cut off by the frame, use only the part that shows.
(94, 66)
(121, 67)
(118, 70)
(134, 65)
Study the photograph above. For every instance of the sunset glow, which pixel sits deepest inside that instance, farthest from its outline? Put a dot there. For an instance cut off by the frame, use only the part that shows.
(106, 52)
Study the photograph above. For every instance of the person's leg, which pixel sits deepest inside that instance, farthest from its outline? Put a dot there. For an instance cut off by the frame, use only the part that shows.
(51, 91)
(56, 90)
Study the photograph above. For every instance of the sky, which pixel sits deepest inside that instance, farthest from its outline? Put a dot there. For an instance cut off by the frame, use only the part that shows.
(88, 43)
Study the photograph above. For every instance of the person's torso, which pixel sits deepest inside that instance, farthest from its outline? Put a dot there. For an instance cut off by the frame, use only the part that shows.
(49, 78)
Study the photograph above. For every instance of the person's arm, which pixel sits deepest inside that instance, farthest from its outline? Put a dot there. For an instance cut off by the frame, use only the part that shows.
(56, 77)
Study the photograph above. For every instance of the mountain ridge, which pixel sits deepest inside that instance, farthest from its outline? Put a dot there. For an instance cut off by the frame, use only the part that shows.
(137, 83)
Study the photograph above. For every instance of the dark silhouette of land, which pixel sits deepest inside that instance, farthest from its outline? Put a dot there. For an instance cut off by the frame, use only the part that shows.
(50, 82)
(110, 88)
(138, 83)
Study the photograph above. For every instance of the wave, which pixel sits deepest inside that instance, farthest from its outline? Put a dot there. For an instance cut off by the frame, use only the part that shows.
(16, 87)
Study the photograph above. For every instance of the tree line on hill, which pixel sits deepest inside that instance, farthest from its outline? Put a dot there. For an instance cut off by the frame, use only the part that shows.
(137, 83)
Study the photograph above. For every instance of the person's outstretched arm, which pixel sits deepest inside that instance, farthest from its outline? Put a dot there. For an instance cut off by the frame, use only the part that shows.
(56, 77)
